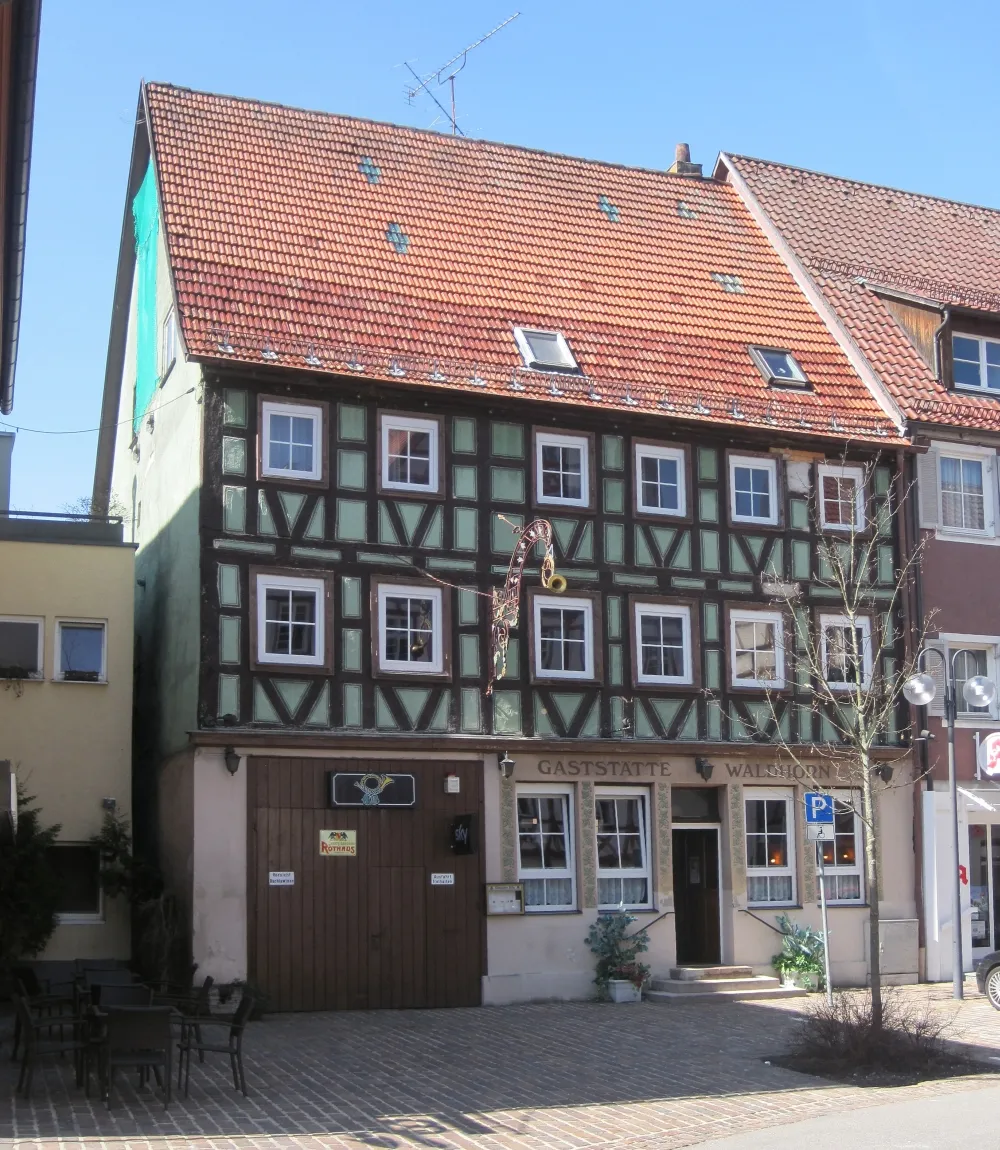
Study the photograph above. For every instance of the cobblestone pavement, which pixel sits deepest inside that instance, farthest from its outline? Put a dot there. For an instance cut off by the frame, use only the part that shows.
(503, 1078)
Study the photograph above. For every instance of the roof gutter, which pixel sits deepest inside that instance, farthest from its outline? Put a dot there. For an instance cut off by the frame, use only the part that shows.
(725, 169)
(27, 16)
(938, 333)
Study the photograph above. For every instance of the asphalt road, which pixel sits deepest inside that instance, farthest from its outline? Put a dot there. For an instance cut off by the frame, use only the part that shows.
(966, 1118)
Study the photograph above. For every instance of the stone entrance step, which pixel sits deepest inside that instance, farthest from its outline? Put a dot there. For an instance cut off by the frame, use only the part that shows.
(743, 988)
(697, 973)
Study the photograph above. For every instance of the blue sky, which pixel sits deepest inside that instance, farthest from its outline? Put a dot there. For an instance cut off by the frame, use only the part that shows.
(884, 91)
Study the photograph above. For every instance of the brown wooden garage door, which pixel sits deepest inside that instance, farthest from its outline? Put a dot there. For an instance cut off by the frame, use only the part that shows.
(370, 931)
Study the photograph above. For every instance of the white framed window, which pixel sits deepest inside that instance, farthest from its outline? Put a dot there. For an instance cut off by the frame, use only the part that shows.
(409, 453)
(663, 643)
(753, 489)
(545, 350)
(757, 648)
(81, 654)
(545, 847)
(842, 855)
(77, 869)
(770, 846)
(168, 344)
(778, 366)
(966, 493)
(841, 497)
(659, 480)
(562, 469)
(291, 620)
(623, 874)
(292, 441)
(410, 629)
(564, 637)
(846, 651)
(976, 362)
(21, 655)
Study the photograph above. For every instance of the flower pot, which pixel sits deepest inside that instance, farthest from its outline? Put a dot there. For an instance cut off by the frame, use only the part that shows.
(806, 979)
(624, 990)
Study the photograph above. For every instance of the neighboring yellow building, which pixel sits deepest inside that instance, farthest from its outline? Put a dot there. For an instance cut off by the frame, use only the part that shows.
(66, 635)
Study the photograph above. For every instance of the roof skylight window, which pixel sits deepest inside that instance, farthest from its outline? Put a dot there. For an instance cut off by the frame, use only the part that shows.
(545, 350)
(370, 170)
(779, 366)
(729, 283)
(609, 209)
(398, 238)
(685, 211)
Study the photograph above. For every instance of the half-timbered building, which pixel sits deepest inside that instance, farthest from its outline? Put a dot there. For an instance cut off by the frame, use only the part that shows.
(349, 364)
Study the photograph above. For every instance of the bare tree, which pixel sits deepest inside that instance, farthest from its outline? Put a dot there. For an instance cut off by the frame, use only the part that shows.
(854, 665)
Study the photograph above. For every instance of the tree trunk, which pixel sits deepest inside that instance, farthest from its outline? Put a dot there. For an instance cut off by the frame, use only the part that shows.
(869, 813)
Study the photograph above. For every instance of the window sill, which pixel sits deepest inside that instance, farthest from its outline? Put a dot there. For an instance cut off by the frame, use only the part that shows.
(775, 906)
(539, 912)
(80, 920)
(82, 682)
(953, 535)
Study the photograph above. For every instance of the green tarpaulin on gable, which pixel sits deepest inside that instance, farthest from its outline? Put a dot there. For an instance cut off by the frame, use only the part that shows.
(146, 217)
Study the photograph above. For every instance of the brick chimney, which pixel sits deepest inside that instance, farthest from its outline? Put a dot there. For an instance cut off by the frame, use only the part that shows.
(682, 165)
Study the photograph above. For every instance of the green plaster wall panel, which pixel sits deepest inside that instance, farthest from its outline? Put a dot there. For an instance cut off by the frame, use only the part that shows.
(414, 700)
(244, 545)
(543, 723)
(234, 510)
(468, 608)
(350, 597)
(440, 720)
(566, 705)
(352, 705)
(644, 728)
(291, 692)
(352, 469)
(229, 639)
(623, 580)
(507, 712)
(229, 585)
(234, 407)
(713, 720)
(735, 585)
(463, 435)
(799, 516)
(708, 505)
(689, 728)
(229, 695)
(468, 650)
(384, 560)
(464, 482)
(585, 548)
(502, 539)
(472, 720)
(737, 559)
(615, 668)
(350, 649)
(590, 728)
(756, 545)
(466, 529)
(507, 484)
(411, 514)
(775, 565)
(708, 464)
(681, 560)
(351, 422)
(683, 584)
(710, 557)
(263, 709)
(643, 555)
(352, 521)
(447, 564)
(316, 527)
(292, 503)
(886, 567)
(800, 559)
(614, 497)
(507, 440)
(713, 670)
(319, 712)
(580, 574)
(665, 710)
(737, 729)
(614, 543)
(664, 539)
(882, 480)
(513, 659)
(613, 608)
(384, 718)
(317, 554)
(617, 714)
(434, 535)
(804, 723)
(563, 531)
(614, 452)
(265, 520)
(710, 622)
(234, 455)
(801, 628)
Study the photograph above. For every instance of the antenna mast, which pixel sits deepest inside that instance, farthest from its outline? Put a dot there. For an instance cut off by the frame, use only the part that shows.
(444, 76)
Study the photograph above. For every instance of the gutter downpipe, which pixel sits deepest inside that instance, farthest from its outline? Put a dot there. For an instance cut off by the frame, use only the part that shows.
(938, 332)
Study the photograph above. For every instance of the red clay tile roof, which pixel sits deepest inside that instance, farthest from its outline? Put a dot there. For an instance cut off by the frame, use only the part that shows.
(280, 250)
(852, 237)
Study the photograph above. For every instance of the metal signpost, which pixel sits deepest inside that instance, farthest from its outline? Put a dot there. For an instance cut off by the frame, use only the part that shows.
(820, 829)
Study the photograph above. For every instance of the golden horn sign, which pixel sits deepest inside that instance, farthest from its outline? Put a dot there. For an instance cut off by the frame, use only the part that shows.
(550, 580)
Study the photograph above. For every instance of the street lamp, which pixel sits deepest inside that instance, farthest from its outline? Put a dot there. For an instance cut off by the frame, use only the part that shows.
(979, 692)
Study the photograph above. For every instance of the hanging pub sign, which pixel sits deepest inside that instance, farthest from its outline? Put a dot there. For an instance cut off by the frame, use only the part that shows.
(371, 789)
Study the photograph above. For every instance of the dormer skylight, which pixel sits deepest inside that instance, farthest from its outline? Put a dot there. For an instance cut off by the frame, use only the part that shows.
(369, 169)
(545, 350)
(609, 209)
(729, 283)
(685, 211)
(779, 366)
(398, 238)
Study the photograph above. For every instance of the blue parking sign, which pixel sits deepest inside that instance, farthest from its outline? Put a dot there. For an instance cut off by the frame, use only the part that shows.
(819, 807)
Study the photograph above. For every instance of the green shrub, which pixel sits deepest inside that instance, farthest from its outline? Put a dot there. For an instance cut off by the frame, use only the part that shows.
(801, 949)
(29, 890)
(616, 951)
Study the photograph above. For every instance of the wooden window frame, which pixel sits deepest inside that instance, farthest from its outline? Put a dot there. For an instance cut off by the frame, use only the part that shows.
(666, 605)
(645, 814)
(733, 611)
(658, 449)
(325, 631)
(549, 790)
(987, 458)
(787, 795)
(409, 421)
(588, 474)
(58, 673)
(834, 870)
(442, 628)
(321, 449)
(843, 471)
(39, 622)
(866, 623)
(981, 340)
(736, 459)
(596, 638)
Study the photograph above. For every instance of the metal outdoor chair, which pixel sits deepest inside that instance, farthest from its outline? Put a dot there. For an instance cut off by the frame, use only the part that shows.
(192, 1005)
(103, 994)
(37, 1048)
(191, 1041)
(137, 1037)
(48, 1008)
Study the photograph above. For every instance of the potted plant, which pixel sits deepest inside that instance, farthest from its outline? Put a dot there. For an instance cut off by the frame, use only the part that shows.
(619, 975)
(800, 962)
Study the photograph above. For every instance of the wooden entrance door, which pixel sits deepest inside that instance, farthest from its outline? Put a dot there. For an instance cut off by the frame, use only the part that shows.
(696, 895)
(370, 931)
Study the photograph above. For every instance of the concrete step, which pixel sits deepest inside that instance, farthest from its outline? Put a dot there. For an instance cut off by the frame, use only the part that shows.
(714, 985)
(694, 973)
(746, 990)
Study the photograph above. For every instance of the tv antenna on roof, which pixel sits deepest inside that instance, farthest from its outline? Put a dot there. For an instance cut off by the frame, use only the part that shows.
(445, 75)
